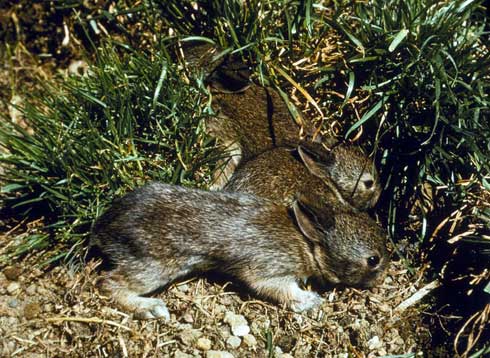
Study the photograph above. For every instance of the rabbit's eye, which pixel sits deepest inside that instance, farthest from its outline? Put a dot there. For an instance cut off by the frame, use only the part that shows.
(368, 183)
(373, 261)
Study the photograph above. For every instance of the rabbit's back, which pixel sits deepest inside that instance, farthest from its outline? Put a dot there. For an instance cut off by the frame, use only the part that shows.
(160, 220)
(279, 175)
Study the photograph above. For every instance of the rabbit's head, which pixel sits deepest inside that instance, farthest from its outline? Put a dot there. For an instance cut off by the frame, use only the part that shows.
(348, 247)
(352, 173)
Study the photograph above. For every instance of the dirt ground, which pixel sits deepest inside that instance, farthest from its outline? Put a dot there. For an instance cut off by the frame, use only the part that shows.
(59, 313)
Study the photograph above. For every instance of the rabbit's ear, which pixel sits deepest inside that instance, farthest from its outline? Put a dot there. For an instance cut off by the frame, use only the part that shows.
(314, 224)
(317, 161)
(231, 77)
(203, 56)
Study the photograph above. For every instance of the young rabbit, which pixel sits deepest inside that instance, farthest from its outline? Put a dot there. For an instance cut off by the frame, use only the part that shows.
(257, 120)
(160, 233)
(252, 119)
(280, 173)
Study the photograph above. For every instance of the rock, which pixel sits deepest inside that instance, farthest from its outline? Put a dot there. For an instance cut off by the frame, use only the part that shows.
(399, 342)
(188, 318)
(8, 349)
(219, 354)
(12, 273)
(180, 354)
(234, 342)
(13, 303)
(31, 290)
(224, 332)
(190, 336)
(384, 308)
(203, 344)
(183, 288)
(32, 310)
(12, 287)
(374, 343)
(219, 309)
(238, 324)
(277, 351)
(249, 340)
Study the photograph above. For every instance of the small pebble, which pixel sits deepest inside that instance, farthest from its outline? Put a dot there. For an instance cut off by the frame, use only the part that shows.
(32, 310)
(238, 324)
(189, 336)
(183, 288)
(219, 354)
(374, 343)
(31, 290)
(180, 354)
(11, 346)
(224, 332)
(13, 303)
(384, 308)
(234, 342)
(219, 309)
(203, 344)
(249, 340)
(399, 341)
(355, 325)
(12, 287)
(188, 318)
(12, 273)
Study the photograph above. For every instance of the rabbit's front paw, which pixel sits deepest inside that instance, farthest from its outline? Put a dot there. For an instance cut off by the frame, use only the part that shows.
(306, 300)
(151, 308)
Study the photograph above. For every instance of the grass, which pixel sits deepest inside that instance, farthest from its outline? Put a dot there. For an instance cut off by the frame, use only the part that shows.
(129, 120)
(408, 80)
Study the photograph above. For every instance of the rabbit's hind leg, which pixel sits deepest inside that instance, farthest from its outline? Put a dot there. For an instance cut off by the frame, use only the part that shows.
(128, 286)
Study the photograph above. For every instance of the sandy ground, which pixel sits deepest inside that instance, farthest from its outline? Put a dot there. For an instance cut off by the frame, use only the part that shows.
(59, 313)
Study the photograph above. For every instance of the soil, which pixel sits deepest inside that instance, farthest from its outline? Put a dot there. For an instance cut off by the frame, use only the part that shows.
(59, 312)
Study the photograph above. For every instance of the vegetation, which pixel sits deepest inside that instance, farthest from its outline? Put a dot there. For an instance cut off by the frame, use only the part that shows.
(130, 119)
(408, 80)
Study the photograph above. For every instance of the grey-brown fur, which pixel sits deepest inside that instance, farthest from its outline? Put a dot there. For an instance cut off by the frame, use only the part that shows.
(279, 174)
(257, 119)
(160, 233)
